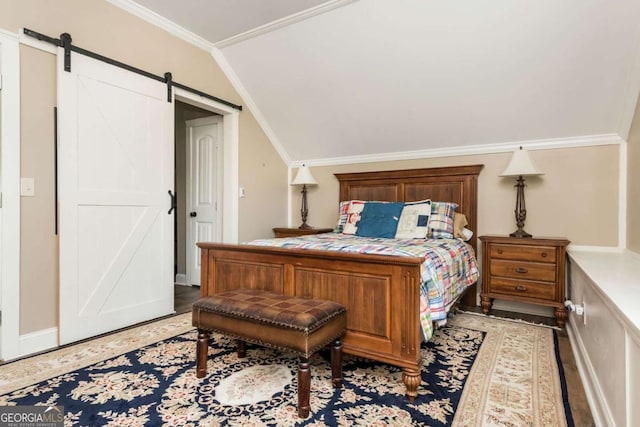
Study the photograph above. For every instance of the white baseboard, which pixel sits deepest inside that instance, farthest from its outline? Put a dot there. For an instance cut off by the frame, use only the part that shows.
(521, 307)
(181, 279)
(38, 341)
(599, 409)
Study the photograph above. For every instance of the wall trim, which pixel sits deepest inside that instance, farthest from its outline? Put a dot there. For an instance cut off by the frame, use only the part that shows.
(200, 42)
(468, 150)
(36, 342)
(283, 22)
(607, 249)
(163, 23)
(231, 158)
(222, 62)
(10, 211)
(622, 195)
(592, 390)
(181, 279)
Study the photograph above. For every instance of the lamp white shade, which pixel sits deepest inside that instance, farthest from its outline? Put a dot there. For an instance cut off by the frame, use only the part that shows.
(521, 165)
(304, 177)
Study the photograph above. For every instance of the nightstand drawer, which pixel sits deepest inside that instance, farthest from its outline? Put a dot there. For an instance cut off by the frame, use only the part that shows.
(523, 270)
(523, 288)
(525, 253)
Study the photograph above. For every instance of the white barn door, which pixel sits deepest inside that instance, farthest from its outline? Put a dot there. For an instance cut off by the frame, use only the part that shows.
(115, 171)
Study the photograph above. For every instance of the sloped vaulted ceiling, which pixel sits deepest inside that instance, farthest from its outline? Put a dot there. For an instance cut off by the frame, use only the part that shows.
(375, 77)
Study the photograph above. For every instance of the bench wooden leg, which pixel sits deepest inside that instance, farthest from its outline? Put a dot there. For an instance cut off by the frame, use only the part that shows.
(242, 348)
(304, 387)
(336, 363)
(202, 350)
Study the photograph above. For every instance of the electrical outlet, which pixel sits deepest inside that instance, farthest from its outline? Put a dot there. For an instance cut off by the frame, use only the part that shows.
(584, 313)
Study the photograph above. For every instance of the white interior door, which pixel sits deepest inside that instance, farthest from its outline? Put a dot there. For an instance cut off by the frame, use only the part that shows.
(204, 187)
(115, 170)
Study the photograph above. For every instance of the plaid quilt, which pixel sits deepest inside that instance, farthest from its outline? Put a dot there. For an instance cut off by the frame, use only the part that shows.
(449, 266)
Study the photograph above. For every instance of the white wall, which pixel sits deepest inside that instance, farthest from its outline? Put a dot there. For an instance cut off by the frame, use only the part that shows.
(606, 338)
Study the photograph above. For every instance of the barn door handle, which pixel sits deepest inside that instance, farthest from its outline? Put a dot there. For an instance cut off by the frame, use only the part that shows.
(173, 202)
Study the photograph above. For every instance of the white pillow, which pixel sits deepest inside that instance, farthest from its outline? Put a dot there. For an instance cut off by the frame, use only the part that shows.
(466, 234)
(414, 221)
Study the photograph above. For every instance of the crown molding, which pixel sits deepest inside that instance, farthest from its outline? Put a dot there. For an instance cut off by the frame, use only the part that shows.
(178, 31)
(283, 22)
(468, 150)
(221, 60)
(163, 23)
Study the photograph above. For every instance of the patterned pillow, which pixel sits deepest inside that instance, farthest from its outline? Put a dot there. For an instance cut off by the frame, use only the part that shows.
(414, 220)
(353, 216)
(343, 212)
(441, 221)
(379, 219)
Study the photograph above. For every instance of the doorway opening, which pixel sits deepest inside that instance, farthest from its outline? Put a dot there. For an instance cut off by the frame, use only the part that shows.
(198, 107)
(185, 214)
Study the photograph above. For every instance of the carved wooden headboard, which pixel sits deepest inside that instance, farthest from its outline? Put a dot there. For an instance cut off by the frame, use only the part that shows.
(457, 184)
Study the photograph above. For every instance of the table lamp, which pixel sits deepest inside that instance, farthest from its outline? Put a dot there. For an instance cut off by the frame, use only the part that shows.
(520, 166)
(304, 178)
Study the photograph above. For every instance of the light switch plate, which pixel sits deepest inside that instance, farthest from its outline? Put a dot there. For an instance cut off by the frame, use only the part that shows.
(27, 187)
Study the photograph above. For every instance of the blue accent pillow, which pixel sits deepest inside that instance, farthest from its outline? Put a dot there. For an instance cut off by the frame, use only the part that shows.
(379, 219)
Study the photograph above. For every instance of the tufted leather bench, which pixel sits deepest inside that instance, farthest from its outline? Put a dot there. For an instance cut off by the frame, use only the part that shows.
(299, 325)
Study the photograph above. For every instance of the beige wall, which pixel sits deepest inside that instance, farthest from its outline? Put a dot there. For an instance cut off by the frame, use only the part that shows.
(38, 242)
(98, 26)
(633, 184)
(572, 199)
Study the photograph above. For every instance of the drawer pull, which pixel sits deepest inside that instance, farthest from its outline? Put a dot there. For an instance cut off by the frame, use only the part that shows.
(521, 288)
(521, 270)
(543, 254)
(500, 251)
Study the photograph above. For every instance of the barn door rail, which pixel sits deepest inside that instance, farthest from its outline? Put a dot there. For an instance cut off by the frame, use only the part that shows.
(65, 42)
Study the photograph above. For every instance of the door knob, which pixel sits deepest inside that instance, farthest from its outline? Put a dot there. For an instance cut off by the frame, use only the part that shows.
(193, 214)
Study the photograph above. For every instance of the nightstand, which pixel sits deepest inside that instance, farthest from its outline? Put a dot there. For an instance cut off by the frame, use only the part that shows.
(293, 232)
(524, 269)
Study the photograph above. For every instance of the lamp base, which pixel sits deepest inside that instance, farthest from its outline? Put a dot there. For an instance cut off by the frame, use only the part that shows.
(305, 226)
(520, 233)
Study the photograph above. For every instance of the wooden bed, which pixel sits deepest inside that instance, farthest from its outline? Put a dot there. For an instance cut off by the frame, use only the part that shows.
(381, 293)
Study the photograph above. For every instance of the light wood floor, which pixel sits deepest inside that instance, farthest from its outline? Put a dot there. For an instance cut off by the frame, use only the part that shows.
(186, 295)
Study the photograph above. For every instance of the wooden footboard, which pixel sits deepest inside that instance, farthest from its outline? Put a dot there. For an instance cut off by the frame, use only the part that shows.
(381, 294)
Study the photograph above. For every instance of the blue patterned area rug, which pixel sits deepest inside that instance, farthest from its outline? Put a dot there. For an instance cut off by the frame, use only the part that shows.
(476, 371)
